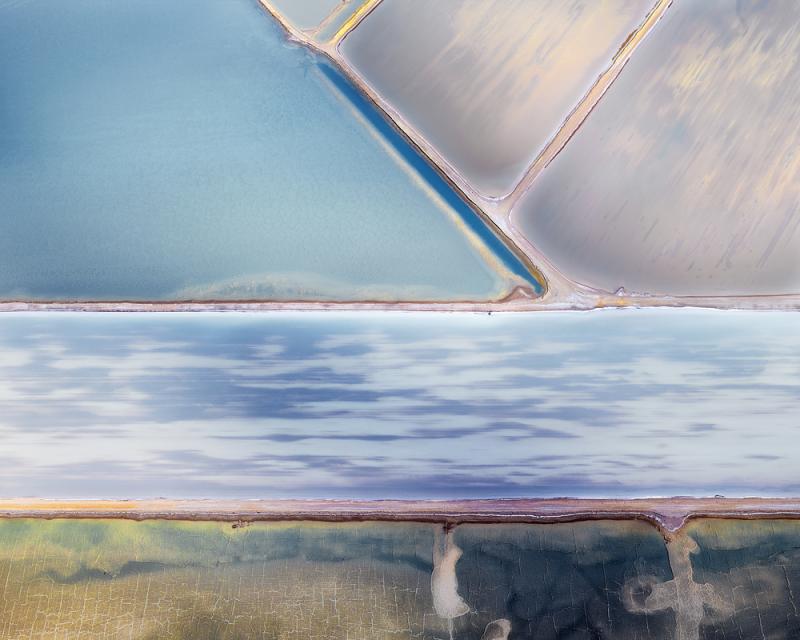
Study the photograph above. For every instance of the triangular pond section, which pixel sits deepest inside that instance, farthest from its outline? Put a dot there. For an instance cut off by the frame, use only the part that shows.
(181, 150)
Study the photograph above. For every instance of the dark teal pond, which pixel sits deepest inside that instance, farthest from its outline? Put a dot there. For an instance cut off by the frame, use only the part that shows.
(186, 150)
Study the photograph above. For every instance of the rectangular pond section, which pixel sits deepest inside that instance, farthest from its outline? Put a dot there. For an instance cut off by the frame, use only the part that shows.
(188, 151)
(399, 405)
(685, 178)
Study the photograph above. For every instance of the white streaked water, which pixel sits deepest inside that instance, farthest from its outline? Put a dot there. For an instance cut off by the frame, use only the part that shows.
(612, 403)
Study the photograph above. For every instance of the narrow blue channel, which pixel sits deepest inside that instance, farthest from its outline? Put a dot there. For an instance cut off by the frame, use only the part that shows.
(426, 171)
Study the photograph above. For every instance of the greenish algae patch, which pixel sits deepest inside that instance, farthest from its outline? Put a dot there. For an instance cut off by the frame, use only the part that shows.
(112, 579)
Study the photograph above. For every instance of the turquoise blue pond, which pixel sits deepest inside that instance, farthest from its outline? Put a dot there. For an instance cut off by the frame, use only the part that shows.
(185, 150)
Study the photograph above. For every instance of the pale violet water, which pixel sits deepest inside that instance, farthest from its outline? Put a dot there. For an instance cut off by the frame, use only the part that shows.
(186, 150)
(380, 405)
